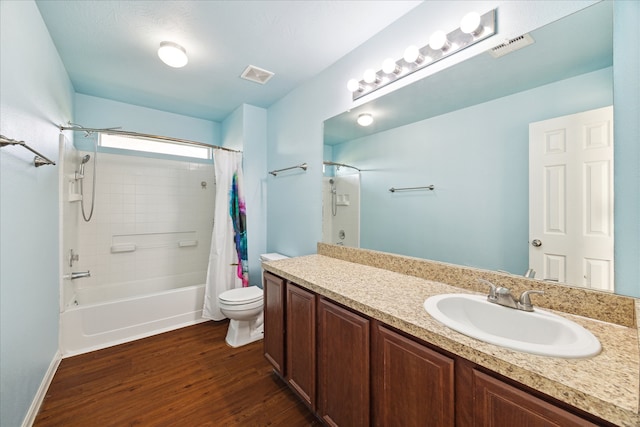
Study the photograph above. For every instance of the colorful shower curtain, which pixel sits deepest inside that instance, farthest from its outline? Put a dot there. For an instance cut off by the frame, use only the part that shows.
(228, 266)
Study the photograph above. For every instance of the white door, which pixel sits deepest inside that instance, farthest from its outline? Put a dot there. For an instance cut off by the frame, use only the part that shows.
(571, 199)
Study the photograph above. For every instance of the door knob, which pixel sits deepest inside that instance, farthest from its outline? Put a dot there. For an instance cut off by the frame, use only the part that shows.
(537, 243)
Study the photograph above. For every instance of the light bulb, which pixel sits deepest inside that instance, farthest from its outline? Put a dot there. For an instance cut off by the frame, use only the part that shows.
(438, 41)
(471, 24)
(173, 54)
(389, 66)
(412, 54)
(354, 86)
(365, 119)
(370, 76)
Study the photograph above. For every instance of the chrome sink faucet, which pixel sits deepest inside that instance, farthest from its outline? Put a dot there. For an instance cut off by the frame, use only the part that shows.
(502, 296)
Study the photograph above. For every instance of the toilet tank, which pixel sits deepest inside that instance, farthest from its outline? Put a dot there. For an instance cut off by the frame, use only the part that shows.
(274, 256)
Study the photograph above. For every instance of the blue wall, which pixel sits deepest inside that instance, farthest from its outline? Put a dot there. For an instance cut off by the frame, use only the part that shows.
(626, 93)
(36, 95)
(246, 129)
(478, 214)
(295, 134)
(94, 112)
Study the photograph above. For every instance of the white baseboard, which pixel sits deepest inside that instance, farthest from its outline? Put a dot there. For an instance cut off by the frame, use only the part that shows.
(42, 391)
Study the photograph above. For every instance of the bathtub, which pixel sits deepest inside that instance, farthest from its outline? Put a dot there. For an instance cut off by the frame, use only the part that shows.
(114, 314)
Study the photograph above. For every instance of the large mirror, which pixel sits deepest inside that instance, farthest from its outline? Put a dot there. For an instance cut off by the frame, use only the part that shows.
(465, 131)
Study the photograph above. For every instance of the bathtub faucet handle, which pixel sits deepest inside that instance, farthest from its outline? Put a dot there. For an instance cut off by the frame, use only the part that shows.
(80, 274)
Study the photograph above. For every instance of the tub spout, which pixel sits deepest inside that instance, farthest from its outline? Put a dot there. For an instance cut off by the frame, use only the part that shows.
(80, 274)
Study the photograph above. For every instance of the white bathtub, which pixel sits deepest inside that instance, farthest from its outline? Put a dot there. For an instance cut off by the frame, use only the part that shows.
(134, 310)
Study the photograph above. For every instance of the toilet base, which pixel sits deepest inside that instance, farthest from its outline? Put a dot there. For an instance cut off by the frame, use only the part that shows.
(243, 332)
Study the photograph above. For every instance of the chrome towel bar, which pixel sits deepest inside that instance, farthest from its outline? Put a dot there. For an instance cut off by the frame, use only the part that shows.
(38, 160)
(302, 166)
(428, 187)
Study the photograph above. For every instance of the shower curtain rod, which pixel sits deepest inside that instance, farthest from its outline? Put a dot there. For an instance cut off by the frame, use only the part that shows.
(341, 164)
(115, 131)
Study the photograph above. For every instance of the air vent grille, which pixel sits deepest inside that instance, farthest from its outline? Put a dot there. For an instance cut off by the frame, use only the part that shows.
(256, 74)
(512, 45)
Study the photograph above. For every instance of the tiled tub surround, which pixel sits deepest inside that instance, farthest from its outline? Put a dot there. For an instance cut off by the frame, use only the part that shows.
(607, 385)
(158, 205)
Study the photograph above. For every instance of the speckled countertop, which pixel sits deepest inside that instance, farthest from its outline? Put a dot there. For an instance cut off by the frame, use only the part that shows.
(607, 385)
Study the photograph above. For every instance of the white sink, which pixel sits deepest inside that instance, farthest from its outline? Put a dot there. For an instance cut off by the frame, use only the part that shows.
(538, 332)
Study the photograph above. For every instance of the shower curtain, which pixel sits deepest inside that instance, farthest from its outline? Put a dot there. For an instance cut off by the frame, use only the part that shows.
(228, 267)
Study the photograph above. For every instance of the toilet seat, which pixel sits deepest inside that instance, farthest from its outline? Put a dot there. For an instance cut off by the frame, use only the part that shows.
(241, 296)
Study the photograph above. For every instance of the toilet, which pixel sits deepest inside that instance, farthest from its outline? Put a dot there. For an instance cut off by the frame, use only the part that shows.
(243, 307)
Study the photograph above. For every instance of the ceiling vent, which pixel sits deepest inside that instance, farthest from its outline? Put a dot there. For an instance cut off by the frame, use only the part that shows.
(256, 74)
(511, 46)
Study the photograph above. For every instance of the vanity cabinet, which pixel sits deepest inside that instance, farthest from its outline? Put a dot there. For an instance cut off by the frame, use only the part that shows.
(496, 404)
(343, 366)
(274, 321)
(301, 343)
(354, 371)
(413, 385)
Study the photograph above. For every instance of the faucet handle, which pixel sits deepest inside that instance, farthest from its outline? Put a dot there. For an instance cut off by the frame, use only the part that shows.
(492, 291)
(525, 300)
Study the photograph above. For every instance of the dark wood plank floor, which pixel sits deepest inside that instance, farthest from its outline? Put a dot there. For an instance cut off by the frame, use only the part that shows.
(188, 377)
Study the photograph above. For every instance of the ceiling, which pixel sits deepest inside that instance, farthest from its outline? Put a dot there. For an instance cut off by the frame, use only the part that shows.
(109, 47)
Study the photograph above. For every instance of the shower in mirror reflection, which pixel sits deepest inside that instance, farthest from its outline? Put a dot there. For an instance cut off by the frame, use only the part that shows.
(341, 208)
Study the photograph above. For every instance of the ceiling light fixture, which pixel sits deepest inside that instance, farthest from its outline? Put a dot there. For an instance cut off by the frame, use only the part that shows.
(365, 119)
(473, 29)
(173, 54)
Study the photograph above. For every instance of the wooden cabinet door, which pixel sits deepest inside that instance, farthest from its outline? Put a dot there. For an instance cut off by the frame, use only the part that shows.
(412, 384)
(343, 366)
(274, 326)
(498, 404)
(301, 343)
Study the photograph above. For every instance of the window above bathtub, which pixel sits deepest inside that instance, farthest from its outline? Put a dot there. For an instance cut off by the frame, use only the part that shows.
(149, 145)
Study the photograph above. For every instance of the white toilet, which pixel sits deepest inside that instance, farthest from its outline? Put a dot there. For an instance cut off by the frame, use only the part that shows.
(243, 306)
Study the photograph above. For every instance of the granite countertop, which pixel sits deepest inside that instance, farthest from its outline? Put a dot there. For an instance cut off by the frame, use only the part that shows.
(606, 385)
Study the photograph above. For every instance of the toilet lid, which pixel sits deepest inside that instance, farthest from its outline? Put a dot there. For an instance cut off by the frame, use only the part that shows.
(242, 295)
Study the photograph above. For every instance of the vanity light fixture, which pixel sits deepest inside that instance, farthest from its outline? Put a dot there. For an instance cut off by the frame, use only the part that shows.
(354, 86)
(173, 54)
(365, 119)
(412, 55)
(370, 76)
(473, 29)
(389, 66)
(439, 41)
(471, 24)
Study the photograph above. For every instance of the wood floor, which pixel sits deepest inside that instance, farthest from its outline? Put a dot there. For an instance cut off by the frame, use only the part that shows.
(188, 377)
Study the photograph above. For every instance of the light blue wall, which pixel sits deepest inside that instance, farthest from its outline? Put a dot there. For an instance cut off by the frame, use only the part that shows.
(294, 211)
(626, 65)
(94, 112)
(36, 95)
(478, 214)
(246, 129)
(255, 185)
(295, 132)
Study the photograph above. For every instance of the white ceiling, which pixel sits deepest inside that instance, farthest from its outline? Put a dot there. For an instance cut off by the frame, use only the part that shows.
(109, 47)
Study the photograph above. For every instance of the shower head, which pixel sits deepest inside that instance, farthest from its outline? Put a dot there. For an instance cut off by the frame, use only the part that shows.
(331, 181)
(83, 161)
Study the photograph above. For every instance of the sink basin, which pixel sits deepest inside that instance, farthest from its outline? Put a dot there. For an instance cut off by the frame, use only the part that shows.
(538, 332)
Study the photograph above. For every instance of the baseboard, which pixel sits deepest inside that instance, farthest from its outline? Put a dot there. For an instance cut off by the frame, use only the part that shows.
(30, 418)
